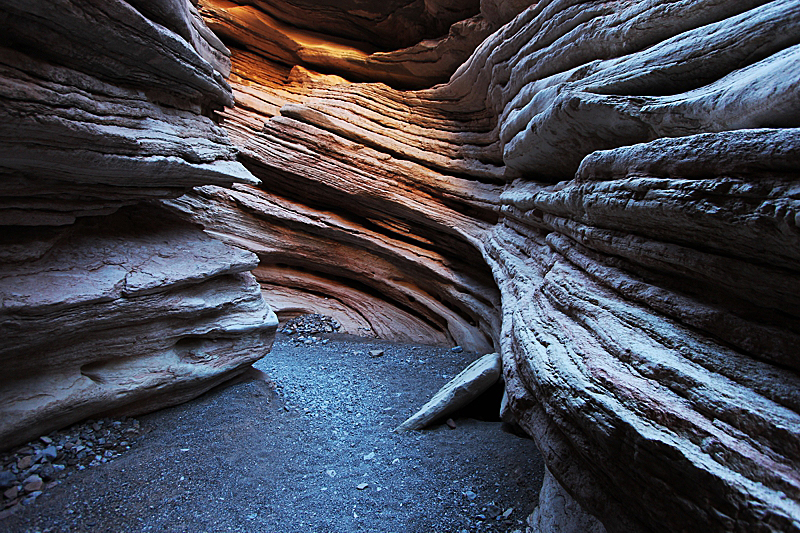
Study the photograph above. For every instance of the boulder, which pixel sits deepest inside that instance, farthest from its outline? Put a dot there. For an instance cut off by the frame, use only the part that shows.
(470, 383)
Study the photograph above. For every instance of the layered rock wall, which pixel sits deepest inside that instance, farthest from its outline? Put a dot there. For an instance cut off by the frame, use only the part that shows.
(606, 192)
(628, 171)
(110, 303)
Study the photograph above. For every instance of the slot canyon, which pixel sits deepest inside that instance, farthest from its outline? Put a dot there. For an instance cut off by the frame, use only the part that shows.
(604, 192)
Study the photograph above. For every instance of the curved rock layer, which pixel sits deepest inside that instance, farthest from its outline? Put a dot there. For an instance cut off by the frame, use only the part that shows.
(629, 173)
(403, 43)
(108, 302)
(606, 192)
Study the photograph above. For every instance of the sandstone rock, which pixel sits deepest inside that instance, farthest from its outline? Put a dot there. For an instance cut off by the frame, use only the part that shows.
(458, 392)
(263, 28)
(107, 109)
(557, 511)
(604, 192)
(172, 301)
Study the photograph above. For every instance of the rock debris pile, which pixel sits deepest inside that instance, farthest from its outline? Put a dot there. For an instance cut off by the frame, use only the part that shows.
(31, 469)
(315, 323)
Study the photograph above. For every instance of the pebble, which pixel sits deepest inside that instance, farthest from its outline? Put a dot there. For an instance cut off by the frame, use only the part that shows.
(370, 456)
(507, 513)
(470, 495)
(456, 349)
(30, 499)
(7, 478)
(314, 323)
(32, 483)
(451, 423)
(77, 446)
(48, 454)
(362, 486)
(376, 353)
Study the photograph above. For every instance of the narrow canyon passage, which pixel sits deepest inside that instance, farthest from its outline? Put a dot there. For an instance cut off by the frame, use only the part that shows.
(288, 455)
(605, 193)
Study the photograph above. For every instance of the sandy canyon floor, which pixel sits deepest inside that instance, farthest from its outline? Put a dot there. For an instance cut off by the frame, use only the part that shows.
(308, 449)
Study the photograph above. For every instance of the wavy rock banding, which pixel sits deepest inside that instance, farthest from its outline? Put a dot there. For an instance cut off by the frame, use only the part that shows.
(606, 193)
(110, 303)
(628, 171)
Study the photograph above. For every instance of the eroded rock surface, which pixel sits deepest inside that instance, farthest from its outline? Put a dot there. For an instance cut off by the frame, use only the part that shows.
(628, 171)
(605, 192)
(110, 304)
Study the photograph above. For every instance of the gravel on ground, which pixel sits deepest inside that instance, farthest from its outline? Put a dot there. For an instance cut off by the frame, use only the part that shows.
(308, 447)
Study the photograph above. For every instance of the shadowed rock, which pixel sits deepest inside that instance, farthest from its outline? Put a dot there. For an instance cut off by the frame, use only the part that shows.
(470, 383)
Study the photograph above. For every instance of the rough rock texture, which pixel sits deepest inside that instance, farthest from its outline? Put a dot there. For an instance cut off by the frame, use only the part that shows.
(559, 512)
(406, 44)
(628, 172)
(605, 192)
(108, 302)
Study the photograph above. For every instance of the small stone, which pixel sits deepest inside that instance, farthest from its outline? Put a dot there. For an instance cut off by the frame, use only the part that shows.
(308, 341)
(46, 440)
(32, 483)
(11, 493)
(47, 472)
(48, 454)
(331, 473)
(30, 499)
(480, 517)
(25, 462)
(376, 353)
(96, 426)
(7, 479)
(456, 349)
(370, 456)
(450, 423)
(470, 495)
(362, 486)
(507, 513)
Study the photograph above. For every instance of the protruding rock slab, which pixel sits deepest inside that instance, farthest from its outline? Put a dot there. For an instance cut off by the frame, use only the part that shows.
(122, 314)
(458, 392)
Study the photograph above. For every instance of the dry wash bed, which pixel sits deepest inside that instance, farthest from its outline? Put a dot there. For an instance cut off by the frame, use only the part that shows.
(309, 450)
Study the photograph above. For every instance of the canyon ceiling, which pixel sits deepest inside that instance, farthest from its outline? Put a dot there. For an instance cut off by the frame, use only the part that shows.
(607, 193)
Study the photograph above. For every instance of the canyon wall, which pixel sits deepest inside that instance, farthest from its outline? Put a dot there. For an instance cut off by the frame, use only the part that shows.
(111, 303)
(605, 192)
(629, 173)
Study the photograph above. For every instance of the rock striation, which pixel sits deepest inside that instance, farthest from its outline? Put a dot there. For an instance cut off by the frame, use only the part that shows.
(627, 174)
(110, 304)
(603, 192)
(402, 43)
